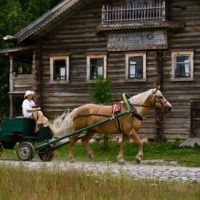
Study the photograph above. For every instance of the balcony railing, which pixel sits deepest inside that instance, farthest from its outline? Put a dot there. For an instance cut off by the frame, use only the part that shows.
(134, 13)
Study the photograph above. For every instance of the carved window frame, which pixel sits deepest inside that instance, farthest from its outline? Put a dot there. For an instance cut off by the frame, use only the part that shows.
(59, 57)
(174, 54)
(88, 66)
(131, 55)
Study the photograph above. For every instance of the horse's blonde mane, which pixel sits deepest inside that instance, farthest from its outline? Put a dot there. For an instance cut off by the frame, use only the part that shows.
(140, 99)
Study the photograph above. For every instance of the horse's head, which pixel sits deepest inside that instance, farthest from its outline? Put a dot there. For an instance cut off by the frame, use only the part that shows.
(161, 102)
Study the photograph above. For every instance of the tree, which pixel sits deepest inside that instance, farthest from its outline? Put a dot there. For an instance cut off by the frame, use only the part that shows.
(15, 15)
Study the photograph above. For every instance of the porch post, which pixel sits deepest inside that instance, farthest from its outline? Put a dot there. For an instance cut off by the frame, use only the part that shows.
(33, 72)
(11, 86)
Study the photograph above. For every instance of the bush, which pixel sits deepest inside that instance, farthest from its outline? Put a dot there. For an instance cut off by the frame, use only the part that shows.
(102, 92)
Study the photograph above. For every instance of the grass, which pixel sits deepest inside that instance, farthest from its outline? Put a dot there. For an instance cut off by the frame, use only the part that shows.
(185, 156)
(20, 183)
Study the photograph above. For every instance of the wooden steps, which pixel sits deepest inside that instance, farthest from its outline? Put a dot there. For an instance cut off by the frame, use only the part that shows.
(190, 142)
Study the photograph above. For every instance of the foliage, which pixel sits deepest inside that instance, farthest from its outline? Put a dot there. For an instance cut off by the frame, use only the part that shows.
(15, 15)
(102, 93)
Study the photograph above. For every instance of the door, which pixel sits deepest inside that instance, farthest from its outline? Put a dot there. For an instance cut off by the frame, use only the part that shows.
(195, 118)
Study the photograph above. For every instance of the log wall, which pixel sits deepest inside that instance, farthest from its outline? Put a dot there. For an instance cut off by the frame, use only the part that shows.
(77, 36)
(177, 123)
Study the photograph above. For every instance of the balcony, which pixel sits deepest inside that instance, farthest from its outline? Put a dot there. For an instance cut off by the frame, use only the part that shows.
(135, 17)
(22, 82)
(141, 13)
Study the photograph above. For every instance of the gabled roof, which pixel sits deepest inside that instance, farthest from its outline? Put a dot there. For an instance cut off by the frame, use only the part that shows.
(51, 19)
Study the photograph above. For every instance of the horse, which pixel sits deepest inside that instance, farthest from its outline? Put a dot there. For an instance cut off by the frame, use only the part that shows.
(83, 116)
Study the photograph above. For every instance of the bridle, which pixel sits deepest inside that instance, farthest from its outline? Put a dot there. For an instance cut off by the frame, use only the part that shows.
(156, 99)
(162, 101)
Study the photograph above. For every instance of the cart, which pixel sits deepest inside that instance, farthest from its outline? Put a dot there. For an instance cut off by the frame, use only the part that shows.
(21, 130)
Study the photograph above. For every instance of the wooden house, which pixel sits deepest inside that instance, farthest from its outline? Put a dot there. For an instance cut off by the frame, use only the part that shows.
(138, 43)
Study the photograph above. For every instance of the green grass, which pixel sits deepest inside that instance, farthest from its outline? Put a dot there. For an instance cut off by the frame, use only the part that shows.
(42, 184)
(169, 152)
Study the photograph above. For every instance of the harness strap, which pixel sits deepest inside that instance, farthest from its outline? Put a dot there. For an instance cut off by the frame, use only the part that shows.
(92, 115)
(119, 125)
(134, 112)
(96, 110)
(109, 116)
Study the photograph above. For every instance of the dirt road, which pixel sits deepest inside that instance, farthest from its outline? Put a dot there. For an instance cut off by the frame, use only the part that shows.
(142, 171)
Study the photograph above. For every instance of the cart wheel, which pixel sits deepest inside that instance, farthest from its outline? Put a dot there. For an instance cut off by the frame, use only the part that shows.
(1, 149)
(25, 151)
(47, 154)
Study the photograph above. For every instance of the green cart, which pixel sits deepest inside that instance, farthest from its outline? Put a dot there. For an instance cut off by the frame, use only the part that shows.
(21, 130)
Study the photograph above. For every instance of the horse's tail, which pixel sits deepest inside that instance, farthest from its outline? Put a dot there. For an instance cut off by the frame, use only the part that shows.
(63, 124)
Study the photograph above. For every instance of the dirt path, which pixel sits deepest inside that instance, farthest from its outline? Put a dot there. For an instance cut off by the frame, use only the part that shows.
(142, 171)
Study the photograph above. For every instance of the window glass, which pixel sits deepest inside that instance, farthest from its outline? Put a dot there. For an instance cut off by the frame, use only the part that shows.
(96, 68)
(62, 72)
(182, 66)
(135, 64)
(128, 3)
(141, 3)
(59, 69)
(150, 3)
(135, 4)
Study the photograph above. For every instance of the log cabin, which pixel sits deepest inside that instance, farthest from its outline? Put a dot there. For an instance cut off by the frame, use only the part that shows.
(137, 43)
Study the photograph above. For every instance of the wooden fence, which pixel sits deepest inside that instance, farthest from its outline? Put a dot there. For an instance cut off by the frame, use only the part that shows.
(133, 13)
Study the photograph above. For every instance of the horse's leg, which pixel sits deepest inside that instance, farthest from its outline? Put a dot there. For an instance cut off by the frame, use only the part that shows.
(85, 141)
(120, 156)
(72, 142)
(135, 137)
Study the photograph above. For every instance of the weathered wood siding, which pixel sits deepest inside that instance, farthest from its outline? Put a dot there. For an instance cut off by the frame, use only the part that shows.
(77, 36)
(177, 123)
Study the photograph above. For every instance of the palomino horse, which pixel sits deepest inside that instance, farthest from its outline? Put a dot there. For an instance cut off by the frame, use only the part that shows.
(129, 125)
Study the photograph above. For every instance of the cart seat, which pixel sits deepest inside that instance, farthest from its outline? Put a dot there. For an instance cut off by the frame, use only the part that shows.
(22, 117)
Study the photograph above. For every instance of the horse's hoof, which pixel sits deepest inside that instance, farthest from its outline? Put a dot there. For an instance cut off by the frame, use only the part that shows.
(72, 160)
(91, 158)
(137, 161)
(122, 163)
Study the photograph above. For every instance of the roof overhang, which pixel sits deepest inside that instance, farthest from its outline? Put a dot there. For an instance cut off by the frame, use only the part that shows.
(22, 54)
(50, 20)
(139, 25)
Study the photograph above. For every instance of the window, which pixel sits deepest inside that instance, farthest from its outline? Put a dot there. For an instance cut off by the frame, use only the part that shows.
(138, 3)
(96, 66)
(182, 66)
(59, 69)
(135, 67)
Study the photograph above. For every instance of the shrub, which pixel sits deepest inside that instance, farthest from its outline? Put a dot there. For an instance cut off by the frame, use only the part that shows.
(102, 92)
